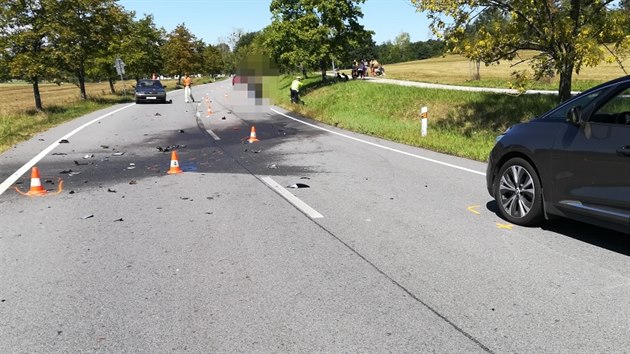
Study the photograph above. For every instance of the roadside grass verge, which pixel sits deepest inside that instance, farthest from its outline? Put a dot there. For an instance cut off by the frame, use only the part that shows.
(15, 128)
(460, 123)
(19, 121)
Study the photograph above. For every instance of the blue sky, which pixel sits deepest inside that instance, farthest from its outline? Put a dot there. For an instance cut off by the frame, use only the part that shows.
(213, 20)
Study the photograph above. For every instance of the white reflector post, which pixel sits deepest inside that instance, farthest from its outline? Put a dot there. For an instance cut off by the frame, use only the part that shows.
(424, 121)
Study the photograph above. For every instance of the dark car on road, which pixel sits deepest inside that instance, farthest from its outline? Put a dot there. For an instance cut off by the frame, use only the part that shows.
(150, 91)
(573, 162)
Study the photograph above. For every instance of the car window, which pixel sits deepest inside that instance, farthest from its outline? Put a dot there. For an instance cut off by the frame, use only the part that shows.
(583, 102)
(149, 83)
(615, 111)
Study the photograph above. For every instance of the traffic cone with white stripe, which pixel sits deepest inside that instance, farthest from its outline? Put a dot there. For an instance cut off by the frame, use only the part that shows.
(252, 135)
(36, 185)
(174, 164)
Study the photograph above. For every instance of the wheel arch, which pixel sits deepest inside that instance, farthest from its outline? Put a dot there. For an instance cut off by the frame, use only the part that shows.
(518, 154)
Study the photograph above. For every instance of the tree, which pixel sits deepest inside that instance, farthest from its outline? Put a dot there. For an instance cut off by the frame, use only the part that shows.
(82, 31)
(229, 64)
(313, 33)
(101, 65)
(403, 47)
(568, 34)
(182, 52)
(24, 42)
(213, 61)
(140, 48)
(245, 40)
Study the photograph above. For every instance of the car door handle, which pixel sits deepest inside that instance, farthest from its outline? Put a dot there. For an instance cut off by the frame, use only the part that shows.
(624, 151)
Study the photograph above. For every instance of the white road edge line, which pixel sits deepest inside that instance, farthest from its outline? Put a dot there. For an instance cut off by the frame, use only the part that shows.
(312, 213)
(383, 147)
(22, 170)
(213, 135)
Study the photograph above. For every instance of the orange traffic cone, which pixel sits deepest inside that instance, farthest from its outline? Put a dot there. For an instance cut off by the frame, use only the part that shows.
(36, 184)
(209, 111)
(252, 135)
(174, 164)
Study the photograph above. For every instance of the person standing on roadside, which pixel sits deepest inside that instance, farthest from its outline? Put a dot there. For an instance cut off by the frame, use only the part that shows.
(187, 91)
(295, 90)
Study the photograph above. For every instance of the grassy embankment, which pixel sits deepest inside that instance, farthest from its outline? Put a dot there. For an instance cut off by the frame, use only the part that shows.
(20, 121)
(460, 123)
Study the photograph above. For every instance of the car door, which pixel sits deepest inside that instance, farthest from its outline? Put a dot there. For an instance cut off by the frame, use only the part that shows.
(591, 162)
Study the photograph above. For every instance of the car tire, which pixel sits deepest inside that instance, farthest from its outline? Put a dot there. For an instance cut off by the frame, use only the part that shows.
(518, 193)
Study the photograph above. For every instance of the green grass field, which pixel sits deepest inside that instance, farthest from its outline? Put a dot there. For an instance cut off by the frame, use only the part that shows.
(457, 70)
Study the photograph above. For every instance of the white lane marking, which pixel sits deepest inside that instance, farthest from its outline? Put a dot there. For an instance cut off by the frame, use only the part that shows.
(312, 213)
(383, 147)
(22, 170)
(213, 135)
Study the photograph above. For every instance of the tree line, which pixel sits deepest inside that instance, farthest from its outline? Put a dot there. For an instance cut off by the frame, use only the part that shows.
(79, 40)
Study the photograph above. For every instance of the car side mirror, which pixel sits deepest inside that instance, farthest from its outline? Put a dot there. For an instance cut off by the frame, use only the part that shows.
(574, 115)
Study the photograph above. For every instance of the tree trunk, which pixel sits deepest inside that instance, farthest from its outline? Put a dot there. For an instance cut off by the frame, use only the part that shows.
(81, 77)
(38, 97)
(564, 91)
(111, 86)
(477, 66)
(322, 65)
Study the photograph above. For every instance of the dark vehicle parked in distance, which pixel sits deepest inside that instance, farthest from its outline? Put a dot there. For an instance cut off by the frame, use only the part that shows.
(150, 91)
(573, 162)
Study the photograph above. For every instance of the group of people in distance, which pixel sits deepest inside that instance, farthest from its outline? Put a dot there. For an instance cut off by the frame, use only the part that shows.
(363, 68)
(360, 69)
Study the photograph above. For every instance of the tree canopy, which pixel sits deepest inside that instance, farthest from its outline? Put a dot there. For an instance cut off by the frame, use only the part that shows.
(25, 43)
(567, 34)
(313, 33)
(82, 30)
(182, 52)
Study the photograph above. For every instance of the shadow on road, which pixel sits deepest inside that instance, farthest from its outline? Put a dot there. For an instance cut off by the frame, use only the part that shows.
(596, 236)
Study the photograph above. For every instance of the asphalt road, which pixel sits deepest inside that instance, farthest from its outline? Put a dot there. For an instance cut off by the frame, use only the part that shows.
(389, 249)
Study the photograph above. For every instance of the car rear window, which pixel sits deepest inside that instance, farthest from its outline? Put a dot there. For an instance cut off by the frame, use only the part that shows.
(149, 83)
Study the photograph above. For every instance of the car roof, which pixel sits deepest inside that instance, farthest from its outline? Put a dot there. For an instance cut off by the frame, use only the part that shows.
(150, 82)
(608, 83)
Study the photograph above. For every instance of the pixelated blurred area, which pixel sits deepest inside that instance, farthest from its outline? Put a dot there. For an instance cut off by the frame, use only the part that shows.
(256, 75)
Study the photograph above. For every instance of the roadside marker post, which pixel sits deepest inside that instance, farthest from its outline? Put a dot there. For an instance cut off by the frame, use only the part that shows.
(424, 121)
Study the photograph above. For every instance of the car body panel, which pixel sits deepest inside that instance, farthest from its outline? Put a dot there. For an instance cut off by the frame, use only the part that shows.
(584, 167)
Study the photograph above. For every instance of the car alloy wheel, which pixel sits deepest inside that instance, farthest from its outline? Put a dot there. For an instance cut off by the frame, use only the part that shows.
(518, 193)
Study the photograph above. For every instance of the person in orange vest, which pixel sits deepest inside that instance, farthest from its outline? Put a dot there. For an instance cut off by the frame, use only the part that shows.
(187, 91)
